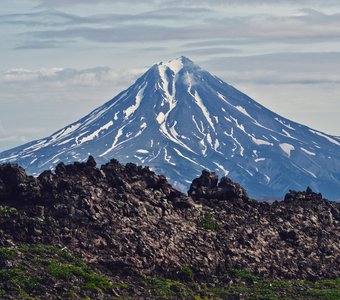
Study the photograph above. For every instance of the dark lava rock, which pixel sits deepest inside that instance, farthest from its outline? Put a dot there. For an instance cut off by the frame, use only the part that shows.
(229, 189)
(203, 185)
(129, 221)
(16, 185)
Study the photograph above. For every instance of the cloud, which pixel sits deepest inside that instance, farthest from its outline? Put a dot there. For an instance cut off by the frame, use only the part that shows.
(309, 25)
(44, 44)
(195, 3)
(196, 25)
(49, 17)
(44, 100)
(209, 51)
(283, 68)
(305, 68)
(58, 77)
(53, 3)
(250, 2)
(55, 18)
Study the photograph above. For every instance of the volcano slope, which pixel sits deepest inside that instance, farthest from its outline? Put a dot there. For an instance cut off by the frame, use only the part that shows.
(122, 231)
(178, 119)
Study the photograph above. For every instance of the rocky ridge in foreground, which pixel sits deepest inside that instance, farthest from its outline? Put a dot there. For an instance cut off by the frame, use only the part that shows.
(126, 222)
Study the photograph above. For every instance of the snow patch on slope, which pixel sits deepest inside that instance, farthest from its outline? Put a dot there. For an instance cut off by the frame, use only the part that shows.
(325, 136)
(243, 111)
(175, 65)
(226, 172)
(261, 142)
(310, 173)
(284, 124)
(96, 133)
(115, 142)
(199, 102)
(160, 118)
(308, 152)
(287, 148)
(139, 97)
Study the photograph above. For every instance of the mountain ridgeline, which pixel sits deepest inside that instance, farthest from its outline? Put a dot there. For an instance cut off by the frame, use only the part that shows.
(178, 119)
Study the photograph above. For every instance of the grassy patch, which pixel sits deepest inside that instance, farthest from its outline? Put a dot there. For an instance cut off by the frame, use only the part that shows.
(19, 279)
(252, 287)
(63, 271)
(39, 267)
(120, 285)
(40, 249)
(90, 279)
(208, 222)
(245, 275)
(325, 294)
(186, 273)
(7, 211)
(95, 282)
(167, 288)
(7, 253)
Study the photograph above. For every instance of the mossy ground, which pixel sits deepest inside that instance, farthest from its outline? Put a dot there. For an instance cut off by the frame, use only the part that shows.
(7, 211)
(247, 286)
(32, 270)
(42, 271)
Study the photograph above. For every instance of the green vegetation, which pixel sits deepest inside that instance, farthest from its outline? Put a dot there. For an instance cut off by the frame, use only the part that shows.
(120, 285)
(36, 265)
(19, 279)
(167, 288)
(245, 275)
(7, 211)
(42, 249)
(63, 271)
(33, 269)
(7, 253)
(187, 274)
(208, 222)
(247, 286)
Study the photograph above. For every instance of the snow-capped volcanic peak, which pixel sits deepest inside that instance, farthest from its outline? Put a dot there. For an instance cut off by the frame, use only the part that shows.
(179, 119)
(176, 65)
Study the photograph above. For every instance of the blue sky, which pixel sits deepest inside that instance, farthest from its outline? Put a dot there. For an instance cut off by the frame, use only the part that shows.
(60, 59)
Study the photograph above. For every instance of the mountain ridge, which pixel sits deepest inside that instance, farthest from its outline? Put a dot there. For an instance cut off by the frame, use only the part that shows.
(179, 119)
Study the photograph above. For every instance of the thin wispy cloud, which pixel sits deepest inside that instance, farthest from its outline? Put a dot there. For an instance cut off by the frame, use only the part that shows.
(248, 2)
(59, 3)
(59, 77)
(308, 26)
(53, 3)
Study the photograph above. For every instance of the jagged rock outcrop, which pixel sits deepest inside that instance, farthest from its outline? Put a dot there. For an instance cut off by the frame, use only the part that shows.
(128, 221)
(207, 187)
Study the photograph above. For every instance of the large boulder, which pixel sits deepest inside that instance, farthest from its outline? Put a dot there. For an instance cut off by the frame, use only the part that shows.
(16, 185)
(203, 185)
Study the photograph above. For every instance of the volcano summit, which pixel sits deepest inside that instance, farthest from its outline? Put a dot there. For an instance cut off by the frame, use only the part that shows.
(179, 119)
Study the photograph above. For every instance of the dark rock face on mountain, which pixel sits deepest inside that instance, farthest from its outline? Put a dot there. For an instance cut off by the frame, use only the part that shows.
(127, 221)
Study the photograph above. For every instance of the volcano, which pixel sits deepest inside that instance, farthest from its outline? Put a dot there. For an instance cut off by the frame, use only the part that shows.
(179, 119)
